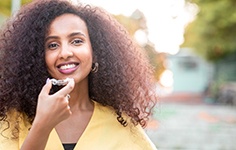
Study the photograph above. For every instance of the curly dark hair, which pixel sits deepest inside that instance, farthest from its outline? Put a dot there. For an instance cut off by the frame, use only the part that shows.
(124, 78)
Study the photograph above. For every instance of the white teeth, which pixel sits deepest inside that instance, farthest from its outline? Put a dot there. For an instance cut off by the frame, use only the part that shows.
(67, 66)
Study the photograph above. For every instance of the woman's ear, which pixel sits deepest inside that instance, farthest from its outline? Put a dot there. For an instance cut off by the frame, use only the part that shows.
(94, 68)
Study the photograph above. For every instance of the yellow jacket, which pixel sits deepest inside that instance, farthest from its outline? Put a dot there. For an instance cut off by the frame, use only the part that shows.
(103, 132)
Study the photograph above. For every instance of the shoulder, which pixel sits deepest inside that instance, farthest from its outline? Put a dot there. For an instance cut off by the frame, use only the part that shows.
(12, 129)
(14, 118)
(103, 110)
(11, 120)
(131, 136)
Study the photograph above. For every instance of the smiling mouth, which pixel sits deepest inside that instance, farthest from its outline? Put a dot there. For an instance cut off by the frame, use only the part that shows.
(68, 68)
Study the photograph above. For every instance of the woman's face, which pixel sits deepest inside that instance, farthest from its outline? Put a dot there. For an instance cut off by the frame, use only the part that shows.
(68, 51)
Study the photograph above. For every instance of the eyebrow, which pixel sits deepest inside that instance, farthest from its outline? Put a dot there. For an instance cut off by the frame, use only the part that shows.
(70, 35)
(76, 33)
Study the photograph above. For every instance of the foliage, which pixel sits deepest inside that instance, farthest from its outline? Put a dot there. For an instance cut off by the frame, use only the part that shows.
(5, 6)
(213, 33)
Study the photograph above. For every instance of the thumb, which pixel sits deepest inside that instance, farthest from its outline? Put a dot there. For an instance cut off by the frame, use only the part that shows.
(47, 87)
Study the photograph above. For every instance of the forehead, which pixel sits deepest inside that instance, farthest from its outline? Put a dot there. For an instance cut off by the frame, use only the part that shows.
(67, 22)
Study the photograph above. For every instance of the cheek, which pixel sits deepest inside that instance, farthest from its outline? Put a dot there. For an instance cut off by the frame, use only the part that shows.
(85, 55)
(89, 58)
(48, 60)
(89, 55)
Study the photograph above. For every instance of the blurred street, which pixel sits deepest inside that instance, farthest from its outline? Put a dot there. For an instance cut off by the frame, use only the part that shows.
(186, 122)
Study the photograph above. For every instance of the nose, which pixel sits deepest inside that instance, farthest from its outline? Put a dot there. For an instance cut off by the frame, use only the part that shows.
(65, 52)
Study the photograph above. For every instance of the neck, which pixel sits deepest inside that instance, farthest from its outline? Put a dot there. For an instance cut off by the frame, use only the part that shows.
(79, 97)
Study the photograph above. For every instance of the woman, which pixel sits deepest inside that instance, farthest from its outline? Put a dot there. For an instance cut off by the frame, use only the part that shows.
(109, 93)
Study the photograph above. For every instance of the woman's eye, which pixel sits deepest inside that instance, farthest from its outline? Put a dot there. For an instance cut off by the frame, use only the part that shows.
(52, 46)
(77, 41)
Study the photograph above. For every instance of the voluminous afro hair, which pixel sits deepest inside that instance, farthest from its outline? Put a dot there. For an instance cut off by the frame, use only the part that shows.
(124, 78)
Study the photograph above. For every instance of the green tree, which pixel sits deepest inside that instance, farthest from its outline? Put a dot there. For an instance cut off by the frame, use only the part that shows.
(5, 6)
(213, 33)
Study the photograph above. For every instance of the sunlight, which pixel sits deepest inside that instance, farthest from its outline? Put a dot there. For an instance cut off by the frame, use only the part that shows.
(166, 79)
(141, 37)
(166, 19)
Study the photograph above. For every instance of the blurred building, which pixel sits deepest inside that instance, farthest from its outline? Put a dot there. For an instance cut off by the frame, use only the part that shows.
(191, 73)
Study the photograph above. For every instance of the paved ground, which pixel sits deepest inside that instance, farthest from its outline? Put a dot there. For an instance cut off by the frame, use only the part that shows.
(180, 125)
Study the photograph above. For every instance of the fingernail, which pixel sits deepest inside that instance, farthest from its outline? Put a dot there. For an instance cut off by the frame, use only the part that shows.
(47, 80)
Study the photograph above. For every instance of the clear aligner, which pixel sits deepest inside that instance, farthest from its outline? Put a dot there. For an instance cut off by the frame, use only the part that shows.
(59, 82)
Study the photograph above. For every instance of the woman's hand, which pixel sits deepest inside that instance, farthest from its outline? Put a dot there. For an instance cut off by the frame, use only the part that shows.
(52, 109)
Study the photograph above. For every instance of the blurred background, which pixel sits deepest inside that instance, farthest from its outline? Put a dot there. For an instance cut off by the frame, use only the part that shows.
(192, 47)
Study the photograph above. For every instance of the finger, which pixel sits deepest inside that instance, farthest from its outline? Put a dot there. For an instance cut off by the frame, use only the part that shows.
(67, 89)
(47, 87)
(68, 107)
(68, 96)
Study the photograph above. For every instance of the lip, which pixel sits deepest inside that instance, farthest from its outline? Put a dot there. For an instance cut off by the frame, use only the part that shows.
(68, 70)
